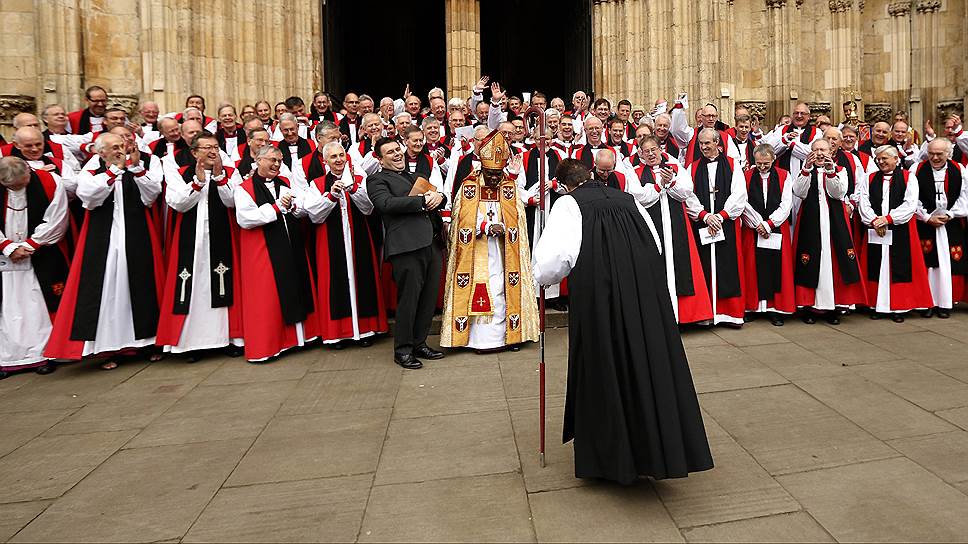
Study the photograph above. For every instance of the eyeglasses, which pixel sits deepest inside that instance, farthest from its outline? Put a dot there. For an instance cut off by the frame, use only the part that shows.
(207, 147)
(271, 160)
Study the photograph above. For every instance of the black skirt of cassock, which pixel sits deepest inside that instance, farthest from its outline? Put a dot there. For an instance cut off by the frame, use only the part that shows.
(631, 405)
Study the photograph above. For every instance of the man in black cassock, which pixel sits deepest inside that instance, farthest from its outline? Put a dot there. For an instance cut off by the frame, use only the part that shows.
(631, 406)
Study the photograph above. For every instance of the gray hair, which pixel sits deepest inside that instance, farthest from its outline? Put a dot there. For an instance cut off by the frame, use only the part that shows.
(552, 112)
(102, 141)
(370, 116)
(23, 131)
(330, 146)
(188, 110)
(949, 148)
(17, 119)
(265, 150)
(48, 107)
(12, 168)
(888, 150)
(287, 117)
(823, 140)
(456, 103)
(365, 97)
(324, 126)
(710, 131)
(665, 116)
(401, 114)
(436, 91)
(429, 120)
(765, 149)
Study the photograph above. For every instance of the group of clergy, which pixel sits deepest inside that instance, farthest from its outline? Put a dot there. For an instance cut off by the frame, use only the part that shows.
(257, 234)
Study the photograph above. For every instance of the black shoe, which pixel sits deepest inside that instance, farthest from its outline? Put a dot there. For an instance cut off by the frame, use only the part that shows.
(365, 342)
(194, 357)
(730, 325)
(927, 313)
(233, 351)
(514, 347)
(45, 369)
(776, 320)
(944, 313)
(832, 318)
(809, 319)
(408, 361)
(424, 352)
(875, 316)
(749, 317)
(4, 375)
(558, 305)
(897, 318)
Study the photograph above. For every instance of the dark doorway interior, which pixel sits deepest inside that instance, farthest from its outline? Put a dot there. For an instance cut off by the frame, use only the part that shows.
(543, 45)
(379, 47)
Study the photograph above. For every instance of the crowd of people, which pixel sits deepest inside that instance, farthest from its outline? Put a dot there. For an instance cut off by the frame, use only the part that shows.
(267, 228)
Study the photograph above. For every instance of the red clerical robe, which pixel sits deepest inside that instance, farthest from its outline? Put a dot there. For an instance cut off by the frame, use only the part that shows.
(769, 270)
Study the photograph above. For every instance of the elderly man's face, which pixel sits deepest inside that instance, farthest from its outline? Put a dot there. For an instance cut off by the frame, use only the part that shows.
(880, 132)
(835, 138)
(27, 120)
(848, 140)
(886, 162)
(413, 105)
(258, 140)
(401, 123)
(708, 116)
(195, 116)
(481, 110)
(709, 146)
(327, 136)
(268, 166)
(637, 116)
(616, 131)
(593, 131)
(519, 130)
(602, 111)
(801, 115)
(127, 136)
(289, 130)
(321, 103)
(662, 126)
(55, 118)
(170, 129)
(114, 119)
(264, 112)
(579, 100)
(604, 165)
(438, 108)
(227, 119)
(553, 124)
(113, 150)
(149, 112)
(366, 106)
(456, 120)
(97, 102)
(373, 128)
(558, 104)
(31, 144)
(938, 153)
(207, 152)
(650, 153)
(540, 101)
(352, 103)
(822, 151)
(950, 126)
(18, 183)
(336, 160)
(415, 143)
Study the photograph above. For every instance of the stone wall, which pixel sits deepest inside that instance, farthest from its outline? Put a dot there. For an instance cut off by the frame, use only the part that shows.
(768, 54)
(161, 50)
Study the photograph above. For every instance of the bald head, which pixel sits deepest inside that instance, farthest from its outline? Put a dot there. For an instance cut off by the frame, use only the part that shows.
(30, 142)
(835, 137)
(26, 120)
(939, 152)
(190, 129)
(605, 160)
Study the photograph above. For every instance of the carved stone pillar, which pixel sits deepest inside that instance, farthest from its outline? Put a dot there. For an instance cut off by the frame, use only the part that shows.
(897, 80)
(112, 50)
(784, 58)
(927, 53)
(18, 79)
(463, 27)
(844, 77)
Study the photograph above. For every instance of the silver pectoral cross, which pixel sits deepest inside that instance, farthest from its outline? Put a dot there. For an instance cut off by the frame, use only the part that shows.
(183, 275)
(221, 269)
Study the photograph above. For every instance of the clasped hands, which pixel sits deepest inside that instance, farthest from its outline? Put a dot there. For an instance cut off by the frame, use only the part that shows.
(432, 200)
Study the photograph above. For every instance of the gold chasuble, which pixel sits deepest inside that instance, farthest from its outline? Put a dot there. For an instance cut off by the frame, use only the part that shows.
(468, 296)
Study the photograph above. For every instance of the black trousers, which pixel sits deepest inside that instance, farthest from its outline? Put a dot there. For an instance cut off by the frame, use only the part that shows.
(417, 275)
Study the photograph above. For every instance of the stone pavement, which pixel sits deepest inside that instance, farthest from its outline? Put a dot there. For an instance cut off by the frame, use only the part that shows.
(819, 433)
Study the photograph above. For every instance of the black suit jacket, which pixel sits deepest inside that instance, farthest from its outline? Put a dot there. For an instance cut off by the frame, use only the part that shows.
(408, 225)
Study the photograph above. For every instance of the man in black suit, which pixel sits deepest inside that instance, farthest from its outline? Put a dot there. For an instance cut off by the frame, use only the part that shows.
(413, 246)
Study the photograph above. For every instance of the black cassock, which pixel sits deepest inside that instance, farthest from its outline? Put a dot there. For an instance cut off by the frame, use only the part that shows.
(631, 405)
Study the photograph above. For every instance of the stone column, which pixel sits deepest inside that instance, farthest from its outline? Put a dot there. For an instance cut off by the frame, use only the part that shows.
(18, 79)
(463, 27)
(783, 82)
(927, 62)
(897, 81)
(112, 49)
(843, 79)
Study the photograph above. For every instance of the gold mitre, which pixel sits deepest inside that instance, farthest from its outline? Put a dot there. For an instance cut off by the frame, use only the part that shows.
(494, 151)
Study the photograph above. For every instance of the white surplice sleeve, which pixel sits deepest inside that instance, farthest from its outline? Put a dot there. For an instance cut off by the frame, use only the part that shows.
(148, 180)
(863, 198)
(557, 249)
(55, 222)
(836, 184)
(181, 196)
(679, 128)
(359, 196)
(736, 201)
(94, 189)
(782, 212)
(960, 206)
(250, 216)
(318, 205)
(905, 211)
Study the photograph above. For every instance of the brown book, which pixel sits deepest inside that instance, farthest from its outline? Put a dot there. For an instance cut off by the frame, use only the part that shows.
(421, 186)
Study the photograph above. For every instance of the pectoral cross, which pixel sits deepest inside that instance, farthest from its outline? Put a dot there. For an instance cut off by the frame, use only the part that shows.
(221, 269)
(490, 215)
(712, 198)
(481, 301)
(184, 275)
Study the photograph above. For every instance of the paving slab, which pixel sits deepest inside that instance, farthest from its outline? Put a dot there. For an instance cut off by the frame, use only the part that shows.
(737, 488)
(794, 362)
(559, 469)
(291, 367)
(326, 510)
(791, 527)
(945, 454)
(754, 333)
(142, 495)
(308, 446)
(48, 466)
(891, 500)
(377, 356)
(958, 416)
(723, 368)
(846, 349)
(490, 508)
(344, 390)
(919, 384)
(700, 337)
(521, 377)
(18, 428)
(602, 513)
(922, 346)
(438, 447)
(444, 389)
(873, 408)
(130, 405)
(17, 515)
(786, 430)
(72, 386)
(216, 412)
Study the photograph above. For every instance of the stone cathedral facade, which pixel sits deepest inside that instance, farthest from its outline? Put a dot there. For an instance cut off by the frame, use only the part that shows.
(888, 55)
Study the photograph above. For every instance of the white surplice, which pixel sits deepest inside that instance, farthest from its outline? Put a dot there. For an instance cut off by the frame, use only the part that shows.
(940, 278)
(115, 326)
(25, 323)
(205, 327)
